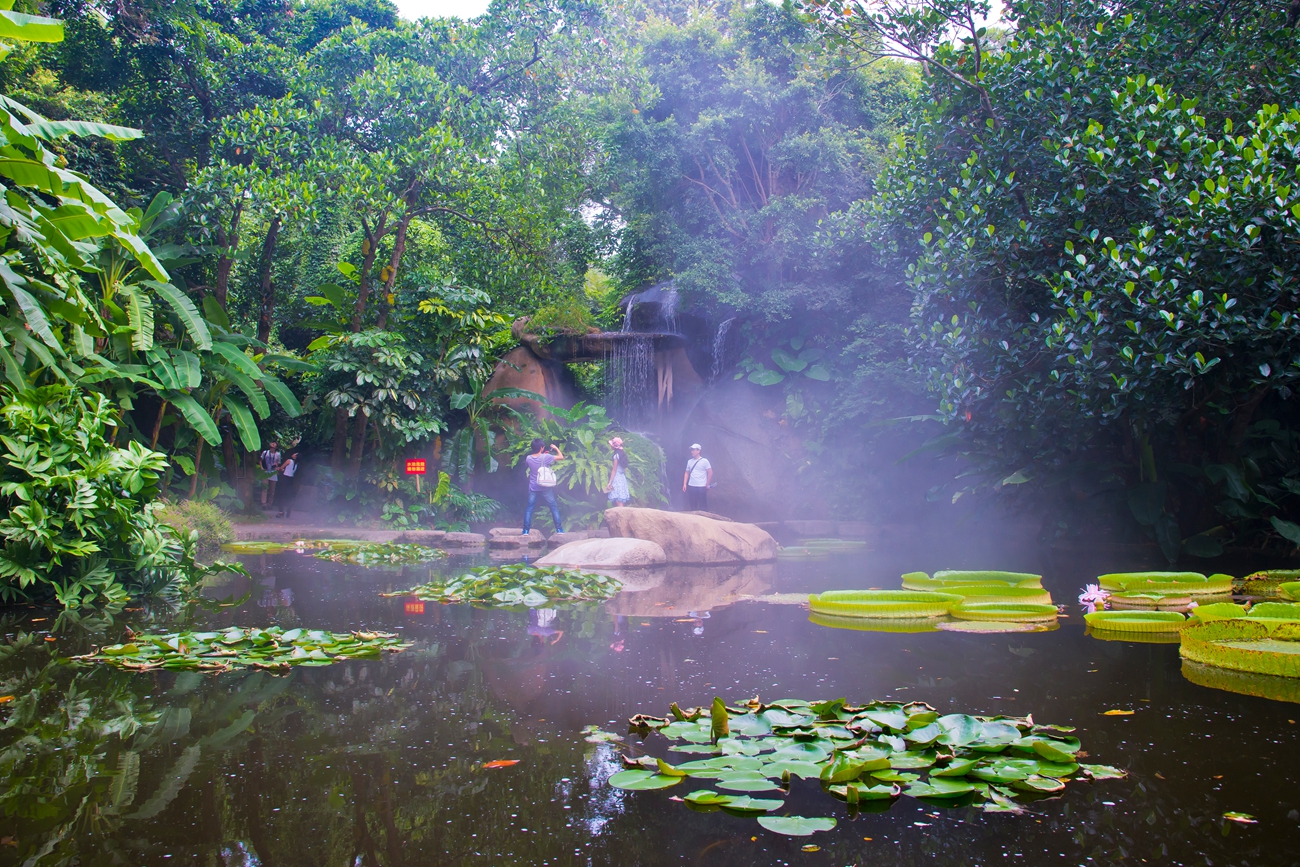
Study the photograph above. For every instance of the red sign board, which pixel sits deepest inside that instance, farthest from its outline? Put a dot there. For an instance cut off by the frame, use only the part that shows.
(416, 607)
(415, 466)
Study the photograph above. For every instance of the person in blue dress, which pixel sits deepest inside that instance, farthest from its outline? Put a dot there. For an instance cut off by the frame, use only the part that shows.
(617, 488)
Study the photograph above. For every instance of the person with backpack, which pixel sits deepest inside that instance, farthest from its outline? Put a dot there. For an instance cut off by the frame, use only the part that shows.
(541, 480)
(697, 481)
(270, 459)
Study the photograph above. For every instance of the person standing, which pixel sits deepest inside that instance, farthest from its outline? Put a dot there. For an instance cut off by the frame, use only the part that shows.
(270, 459)
(541, 481)
(697, 480)
(617, 488)
(289, 489)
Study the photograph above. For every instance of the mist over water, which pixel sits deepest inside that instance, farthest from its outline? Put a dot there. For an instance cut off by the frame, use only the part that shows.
(382, 761)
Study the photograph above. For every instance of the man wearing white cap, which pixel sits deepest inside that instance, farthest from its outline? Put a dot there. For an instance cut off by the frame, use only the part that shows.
(697, 481)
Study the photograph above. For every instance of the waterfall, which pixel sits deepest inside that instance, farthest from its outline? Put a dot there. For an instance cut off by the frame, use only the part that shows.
(720, 347)
(627, 315)
(631, 386)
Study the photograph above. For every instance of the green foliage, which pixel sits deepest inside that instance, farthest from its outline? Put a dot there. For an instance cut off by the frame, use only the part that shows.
(81, 516)
(378, 553)
(272, 648)
(518, 584)
(857, 753)
(565, 315)
(1092, 222)
(194, 516)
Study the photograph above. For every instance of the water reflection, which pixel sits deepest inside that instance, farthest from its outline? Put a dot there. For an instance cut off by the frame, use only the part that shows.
(382, 762)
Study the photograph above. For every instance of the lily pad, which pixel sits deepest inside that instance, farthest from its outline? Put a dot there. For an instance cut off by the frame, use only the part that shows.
(635, 780)
(272, 648)
(796, 826)
(517, 584)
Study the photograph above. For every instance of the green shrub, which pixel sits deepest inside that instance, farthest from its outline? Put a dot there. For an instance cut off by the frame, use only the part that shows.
(567, 314)
(210, 522)
(80, 516)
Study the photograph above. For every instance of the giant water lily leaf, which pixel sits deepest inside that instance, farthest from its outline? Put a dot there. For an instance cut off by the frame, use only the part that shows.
(636, 781)
(796, 826)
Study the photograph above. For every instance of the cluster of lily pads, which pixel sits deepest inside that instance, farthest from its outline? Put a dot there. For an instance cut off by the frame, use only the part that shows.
(344, 551)
(865, 755)
(272, 648)
(517, 584)
(967, 601)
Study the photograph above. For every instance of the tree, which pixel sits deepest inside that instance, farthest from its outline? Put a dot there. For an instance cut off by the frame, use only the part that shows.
(1101, 278)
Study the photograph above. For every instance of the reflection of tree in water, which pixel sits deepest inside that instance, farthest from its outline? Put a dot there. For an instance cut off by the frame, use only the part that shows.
(377, 761)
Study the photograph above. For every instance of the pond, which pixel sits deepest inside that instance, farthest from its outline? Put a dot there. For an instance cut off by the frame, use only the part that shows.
(467, 747)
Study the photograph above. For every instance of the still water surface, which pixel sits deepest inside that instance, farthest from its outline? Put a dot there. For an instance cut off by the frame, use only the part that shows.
(380, 762)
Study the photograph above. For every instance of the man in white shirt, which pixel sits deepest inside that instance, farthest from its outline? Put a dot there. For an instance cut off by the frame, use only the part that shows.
(697, 481)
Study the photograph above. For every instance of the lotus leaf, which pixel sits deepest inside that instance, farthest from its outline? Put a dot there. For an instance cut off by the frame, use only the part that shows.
(795, 826)
(1258, 646)
(1193, 583)
(891, 604)
(964, 764)
(743, 805)
(272, 648)
(1005, 612)
(517, 584)
(940, 787)
(1136, 621)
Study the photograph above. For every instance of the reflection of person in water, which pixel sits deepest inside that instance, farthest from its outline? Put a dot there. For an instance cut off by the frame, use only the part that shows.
(700, 617)
(620, 630)
(539, 626)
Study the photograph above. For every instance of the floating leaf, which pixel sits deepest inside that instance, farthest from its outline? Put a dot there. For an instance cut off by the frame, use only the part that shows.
(269, 648)
(636, 781)
(1241, 818)
(1118, 713)
(500, 763)
(517, 584)
(796, 826)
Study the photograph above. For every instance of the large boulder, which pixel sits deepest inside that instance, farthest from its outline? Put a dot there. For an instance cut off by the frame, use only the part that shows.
(689, 538)
(610, 553)
(682, 589)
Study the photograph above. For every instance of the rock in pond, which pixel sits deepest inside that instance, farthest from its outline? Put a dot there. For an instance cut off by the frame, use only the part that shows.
(689, 538)
(518, 541)
(559, 539)
(621, 553)
(496, 532)
(463, 540)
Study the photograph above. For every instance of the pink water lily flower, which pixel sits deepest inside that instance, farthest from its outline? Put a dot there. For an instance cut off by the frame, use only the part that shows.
(1093, 597)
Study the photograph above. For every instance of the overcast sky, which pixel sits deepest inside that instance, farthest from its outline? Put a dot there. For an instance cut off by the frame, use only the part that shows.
(414, 9)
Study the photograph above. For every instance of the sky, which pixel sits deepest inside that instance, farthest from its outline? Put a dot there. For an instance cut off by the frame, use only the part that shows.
(414, 9)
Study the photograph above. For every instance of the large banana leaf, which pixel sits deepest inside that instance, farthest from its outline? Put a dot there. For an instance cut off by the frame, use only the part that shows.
(282, 395)
(29, 28)
(188, 365)
(50, 130)
(32, 312)
(185, 309)
(196, 415)
(163, 369)
(139, 311)
(248, 386)
(236, 356)
(244, 423)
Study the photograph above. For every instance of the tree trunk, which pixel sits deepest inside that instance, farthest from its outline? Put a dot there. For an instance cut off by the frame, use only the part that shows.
(228, 455)
(157, 426)
(228, 242)
(370, 251)
(399, 248)
(338, 457)
(268, 294)
(358, 444)
(198, 458)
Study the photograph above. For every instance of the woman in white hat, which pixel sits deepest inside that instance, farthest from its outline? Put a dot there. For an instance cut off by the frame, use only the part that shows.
(617, 487)
(697, 481)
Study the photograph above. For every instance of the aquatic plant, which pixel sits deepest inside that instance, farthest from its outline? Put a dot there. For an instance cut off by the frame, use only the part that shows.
(272, 648)
(1290, 590)
(1268, 582)
(1093, 597)
(1000, 594)
(882, 603)
(1183, 583)
(517, 584)
(870, 753)
(1135, 621)
(1242, 682)
(946, 578)
(1007, 612)
(876, 624)
(1131, 599)
(1258, 645)
(378, 553)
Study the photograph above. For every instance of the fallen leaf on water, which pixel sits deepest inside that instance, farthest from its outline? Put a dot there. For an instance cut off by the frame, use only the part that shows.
(1241, 818)
(1159, 777)
(1118, 713)
(764, 632)
(5, 698)
(501, 763)
(810, 848)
